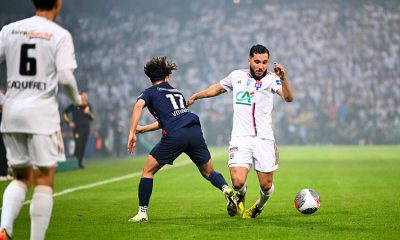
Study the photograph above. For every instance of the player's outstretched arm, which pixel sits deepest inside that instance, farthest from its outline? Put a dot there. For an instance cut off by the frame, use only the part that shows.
(136, 113)
(214, 90)
(286, 90)
(68, 82)
(148, 128)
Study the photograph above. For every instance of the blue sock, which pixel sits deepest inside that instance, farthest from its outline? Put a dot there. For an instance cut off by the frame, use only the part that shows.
(145, 190)
(217, 180)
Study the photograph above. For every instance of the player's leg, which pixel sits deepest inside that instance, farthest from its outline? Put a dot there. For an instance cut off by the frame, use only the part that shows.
(266, 162)
(266, 190)
(15, 193)
(146, 188)
(165, 152)
(238, 178)
(84, 139)
(216, 178)
(198, 152)
(42, 201)
(14, 197)
(240, 161)
(78, 146)
(46, 152)
(218, 181)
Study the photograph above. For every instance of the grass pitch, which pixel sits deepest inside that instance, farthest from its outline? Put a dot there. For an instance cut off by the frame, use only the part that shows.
(359, 189)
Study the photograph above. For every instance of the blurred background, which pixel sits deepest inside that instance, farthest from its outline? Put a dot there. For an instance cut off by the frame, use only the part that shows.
(341, 58)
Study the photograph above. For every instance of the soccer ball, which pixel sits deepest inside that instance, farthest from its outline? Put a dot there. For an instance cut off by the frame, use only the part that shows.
(307, 201)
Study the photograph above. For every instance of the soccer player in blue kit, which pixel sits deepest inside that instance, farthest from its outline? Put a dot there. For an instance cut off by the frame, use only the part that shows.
(181, 133)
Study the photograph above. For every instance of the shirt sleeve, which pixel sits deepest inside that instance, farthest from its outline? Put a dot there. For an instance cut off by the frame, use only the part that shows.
(226, 83)
(276, 84)
(145, 97)
(65, 56)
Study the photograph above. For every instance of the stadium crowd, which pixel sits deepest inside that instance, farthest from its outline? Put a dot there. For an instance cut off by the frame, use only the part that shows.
(342, 59)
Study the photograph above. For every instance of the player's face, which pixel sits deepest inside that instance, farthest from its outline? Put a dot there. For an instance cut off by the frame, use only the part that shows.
(259, 65)
(84, 97)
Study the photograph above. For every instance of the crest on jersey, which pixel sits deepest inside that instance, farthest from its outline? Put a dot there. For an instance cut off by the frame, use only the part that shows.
(258, 84)
(232, 151)
(278, 82)
(244, 97)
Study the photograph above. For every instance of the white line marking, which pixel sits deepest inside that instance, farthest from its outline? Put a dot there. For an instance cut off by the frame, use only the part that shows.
(111, 180)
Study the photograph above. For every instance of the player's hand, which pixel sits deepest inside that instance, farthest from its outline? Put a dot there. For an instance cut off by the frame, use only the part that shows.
(279, 70)
(131, 142)
(140, 129)
(86, 109)
(191, 100)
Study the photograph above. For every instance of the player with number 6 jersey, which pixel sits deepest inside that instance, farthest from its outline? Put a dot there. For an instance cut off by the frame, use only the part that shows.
(39, 54)
(181, 133)
(35, 49)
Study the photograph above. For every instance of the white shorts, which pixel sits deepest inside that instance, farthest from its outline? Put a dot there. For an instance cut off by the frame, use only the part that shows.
(246, 151)
(33, 149)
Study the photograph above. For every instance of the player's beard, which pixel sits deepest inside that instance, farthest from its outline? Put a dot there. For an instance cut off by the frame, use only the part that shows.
(253, 74)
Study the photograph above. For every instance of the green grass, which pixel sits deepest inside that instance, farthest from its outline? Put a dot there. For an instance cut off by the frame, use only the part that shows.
(359, 189)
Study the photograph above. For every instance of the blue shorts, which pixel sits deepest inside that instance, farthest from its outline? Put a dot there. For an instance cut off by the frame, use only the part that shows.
(187, 140)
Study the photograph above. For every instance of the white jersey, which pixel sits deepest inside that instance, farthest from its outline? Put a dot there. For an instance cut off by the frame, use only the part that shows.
(252, 103)
(35, 49)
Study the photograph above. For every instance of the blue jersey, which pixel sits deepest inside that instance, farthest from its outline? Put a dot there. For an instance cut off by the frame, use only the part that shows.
(168, 106)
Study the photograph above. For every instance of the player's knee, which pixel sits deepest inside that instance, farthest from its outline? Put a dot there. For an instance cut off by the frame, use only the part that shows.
(26, 181)
(266, 186)
(206, 169)
(146, 173)
(25, 177)
(238, 182)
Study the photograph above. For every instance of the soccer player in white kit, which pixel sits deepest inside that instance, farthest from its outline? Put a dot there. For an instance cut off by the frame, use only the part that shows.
(252, 140)
(39, 54)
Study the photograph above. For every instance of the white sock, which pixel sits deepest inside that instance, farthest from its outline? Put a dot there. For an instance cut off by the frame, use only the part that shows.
(13, 199)
(143, 210)
(40, 211)
(242, 191)
(264, 196)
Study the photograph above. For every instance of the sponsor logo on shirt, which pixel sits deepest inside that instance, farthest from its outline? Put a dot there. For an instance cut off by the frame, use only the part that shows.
(30, 34)
(244, 97)
(278, 82)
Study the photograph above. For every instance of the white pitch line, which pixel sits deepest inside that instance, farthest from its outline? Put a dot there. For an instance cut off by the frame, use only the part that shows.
(111, 180)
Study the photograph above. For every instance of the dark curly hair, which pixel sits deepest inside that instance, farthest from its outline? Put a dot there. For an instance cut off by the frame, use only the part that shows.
(158, 68)
(44, 4)
(258, 49)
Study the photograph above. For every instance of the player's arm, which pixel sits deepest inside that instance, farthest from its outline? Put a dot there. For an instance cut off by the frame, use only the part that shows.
(88, 112)
(66, 117)
(148, 128)
(214, 90)
(286, 91)
(68, 82)
(136, 113)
